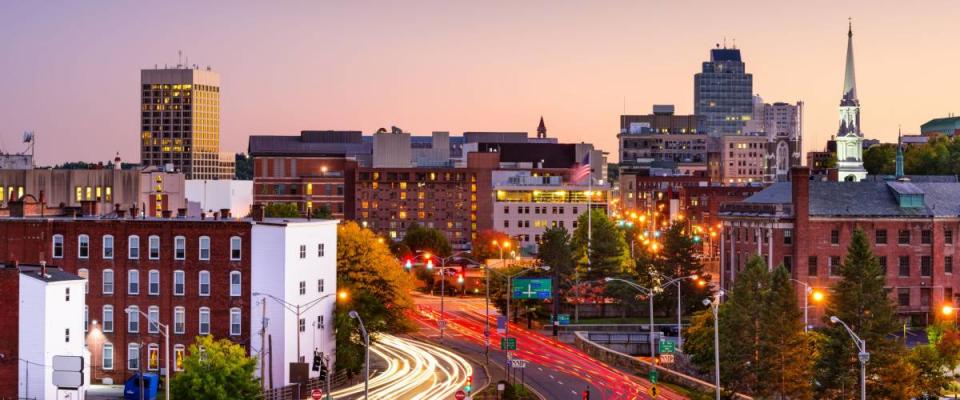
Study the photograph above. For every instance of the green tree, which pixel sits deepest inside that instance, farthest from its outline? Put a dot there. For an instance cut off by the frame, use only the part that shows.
(221, 371)
(608, 251)
(378, 288)
(880, 159)
(678, 258)
(787, 361)
(741, 329)
(243, 169)
(483, 249)
(322, 212)
(554, 250)
(860, 300)
(931, 369)
(281, 210)
(421, 238)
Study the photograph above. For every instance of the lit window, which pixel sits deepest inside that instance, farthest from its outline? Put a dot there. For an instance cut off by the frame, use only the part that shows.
(153, 357)
(178, 352)
(204, 248)
(57, 246)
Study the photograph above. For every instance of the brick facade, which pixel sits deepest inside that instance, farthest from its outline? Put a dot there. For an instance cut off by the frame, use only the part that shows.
(307, 181)
(9, 332)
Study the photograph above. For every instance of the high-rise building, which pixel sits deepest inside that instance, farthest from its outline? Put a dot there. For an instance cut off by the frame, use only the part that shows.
(782, 125)
(849, 137)
(723, 93)
(180, 122)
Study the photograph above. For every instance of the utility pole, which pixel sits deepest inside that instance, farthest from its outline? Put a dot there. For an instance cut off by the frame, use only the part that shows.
(263, 342)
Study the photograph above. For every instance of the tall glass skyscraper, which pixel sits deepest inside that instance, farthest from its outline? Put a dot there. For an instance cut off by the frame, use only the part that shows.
(723, 93)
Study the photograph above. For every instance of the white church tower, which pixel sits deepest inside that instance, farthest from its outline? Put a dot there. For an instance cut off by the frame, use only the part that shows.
(849, 139)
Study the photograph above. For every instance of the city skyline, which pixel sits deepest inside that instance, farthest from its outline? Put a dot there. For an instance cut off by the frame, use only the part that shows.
(309, 66)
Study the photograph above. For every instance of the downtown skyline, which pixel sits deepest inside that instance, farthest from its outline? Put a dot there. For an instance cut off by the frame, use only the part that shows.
(73, 72)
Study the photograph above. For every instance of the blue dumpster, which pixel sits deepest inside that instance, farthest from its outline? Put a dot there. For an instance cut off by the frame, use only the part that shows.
(131, 388)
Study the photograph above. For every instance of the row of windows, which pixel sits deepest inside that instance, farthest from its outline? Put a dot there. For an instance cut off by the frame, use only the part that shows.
(880, 236)
(153, 282)
(903, 265)
(153, 243)
(133, 356)
(179, 325)
(537, 224)
(540, 210)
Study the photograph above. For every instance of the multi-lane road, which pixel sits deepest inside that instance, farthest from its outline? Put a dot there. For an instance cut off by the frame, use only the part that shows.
(556, 370)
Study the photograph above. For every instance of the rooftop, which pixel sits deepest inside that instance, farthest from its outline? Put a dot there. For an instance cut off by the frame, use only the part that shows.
(869, 198)
(54, 274)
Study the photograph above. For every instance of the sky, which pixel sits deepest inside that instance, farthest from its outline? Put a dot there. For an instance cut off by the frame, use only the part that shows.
(70, 70)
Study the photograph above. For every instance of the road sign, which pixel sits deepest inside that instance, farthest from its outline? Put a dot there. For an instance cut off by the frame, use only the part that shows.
(564, 319)
(67, 363)
(532, 288)
(668, 346)
(316, 394)
(666, 358)
(501, 324)
(653, 391)
(653, 376)
(508, 343)
(67, 379)
(518, 363)
(442, 324)
(460, 395)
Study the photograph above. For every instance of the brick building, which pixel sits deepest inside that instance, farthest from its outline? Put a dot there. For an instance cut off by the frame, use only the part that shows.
(701, 204)
(806, 225)
(191, 274)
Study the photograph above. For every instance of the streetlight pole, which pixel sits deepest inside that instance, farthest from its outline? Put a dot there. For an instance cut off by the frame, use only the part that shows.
(366, 358)
(714, 305)
(863, 356)
(297, 309)
(443, 280)
(650, 293)
(166, 350)
(808, 292)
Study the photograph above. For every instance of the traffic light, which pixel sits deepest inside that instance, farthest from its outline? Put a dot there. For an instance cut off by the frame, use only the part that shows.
(316, 361)
(430, 264)
(586, 394)
(469, 387)
(323, 371)
(460, 278)
(409, 264)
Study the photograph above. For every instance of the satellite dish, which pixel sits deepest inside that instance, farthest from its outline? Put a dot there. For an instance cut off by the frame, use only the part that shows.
(28, 136)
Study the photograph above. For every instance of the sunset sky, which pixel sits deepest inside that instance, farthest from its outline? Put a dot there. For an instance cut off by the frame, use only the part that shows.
(70, 70)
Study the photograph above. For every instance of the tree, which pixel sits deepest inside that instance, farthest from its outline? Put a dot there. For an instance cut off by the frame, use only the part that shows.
(554, 251)
(930, 367)
(378, 288)
(420, 238)
(787, 361)
(243, 169)
(860, 300)
(221, 371)
(741, 329)
(608, 252)
(322, 212)
(281, 210)
(678, 258)
(880, 159)
(483, 248)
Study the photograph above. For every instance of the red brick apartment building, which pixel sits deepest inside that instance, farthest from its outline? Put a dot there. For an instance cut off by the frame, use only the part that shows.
(191, 274)
(807, 225)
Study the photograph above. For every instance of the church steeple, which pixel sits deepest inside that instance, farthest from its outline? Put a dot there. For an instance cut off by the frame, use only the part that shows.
(849, 77)
(899, 172)
(849, 104)
(541, 129)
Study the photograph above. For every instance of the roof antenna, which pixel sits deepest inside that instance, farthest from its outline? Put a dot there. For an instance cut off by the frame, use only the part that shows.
(724, 42)
(734, 43)
(179, 58)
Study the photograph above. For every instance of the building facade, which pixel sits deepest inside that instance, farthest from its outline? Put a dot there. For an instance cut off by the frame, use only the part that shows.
(743, 159)
(180, 122)
(723, 93)
(948, 126)
(662, 136)
(203, 196)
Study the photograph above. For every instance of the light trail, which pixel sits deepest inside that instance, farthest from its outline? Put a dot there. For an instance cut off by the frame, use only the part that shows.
(415, 371)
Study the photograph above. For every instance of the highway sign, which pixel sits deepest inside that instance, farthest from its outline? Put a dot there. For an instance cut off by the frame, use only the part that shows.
(668, 346)
(564, 319)
(508, 343)
(316, 394)
(653, 376)
(501, 324)
(460, 395)
(666, 358)
(518, 363)
(653, 391)
(532, 288)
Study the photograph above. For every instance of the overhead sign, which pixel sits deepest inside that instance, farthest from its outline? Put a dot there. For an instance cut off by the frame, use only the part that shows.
(564, 319)
(532, 288)
(668, 346)
(68, 379)
(67, 363)
(508, 343)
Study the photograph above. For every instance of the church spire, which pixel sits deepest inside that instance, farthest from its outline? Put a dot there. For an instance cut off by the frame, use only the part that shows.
(849, 104)
(849, 77)
(541, 129)
(899, 172)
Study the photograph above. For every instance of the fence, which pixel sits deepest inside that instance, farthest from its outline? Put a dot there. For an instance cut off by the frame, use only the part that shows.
(296, 392)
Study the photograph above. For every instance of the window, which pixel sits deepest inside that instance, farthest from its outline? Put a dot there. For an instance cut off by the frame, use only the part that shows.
(319, 285)
(133, 282)
(835, 237)
(66, 335)
(153, 319)
(303, 287)
(108, 318)
(788, 263)
(179, 320)
(303, 325)
(107, 247)
(85, 274)
(812, 265)
(904, 265)
(108, 281)
(154, 247)
(153, 357)
(303, 251)
(153, 282)
(86, 318)
(320, 250)
(788, 236)
(234, 322)
(57, 246)
(204, 278)
(948, 237)
(179, 283)
(926, 236)
(204, 321)
(67, 294)
(83, 246)
(926, 266)
(320, 321)
(235, 243)
(903, 237)
(133, 319)
(235, 284)
(133, 356)
(882, 260)
(178, 352)
(948, 264)
(834, 265)
(179, 248)
(107, 356)
(204, 248)
(881, 236)
(903, 297)
(133, 247)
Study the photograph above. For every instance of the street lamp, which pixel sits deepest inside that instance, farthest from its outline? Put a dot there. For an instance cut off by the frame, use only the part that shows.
(366, 358)
(714, 304)
(651, 292)
(166, 347)
(863, 356)
(809, 292)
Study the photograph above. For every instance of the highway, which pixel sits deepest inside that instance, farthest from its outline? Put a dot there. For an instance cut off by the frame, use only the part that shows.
(555, 370)
(414, 371)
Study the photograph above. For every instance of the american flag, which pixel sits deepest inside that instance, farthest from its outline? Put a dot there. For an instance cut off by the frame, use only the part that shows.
(581, 171)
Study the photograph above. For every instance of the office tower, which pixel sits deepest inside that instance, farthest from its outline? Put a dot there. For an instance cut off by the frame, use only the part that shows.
(180, 122)
(723, 93)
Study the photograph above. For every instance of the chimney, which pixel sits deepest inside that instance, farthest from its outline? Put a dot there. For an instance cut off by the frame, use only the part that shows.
(166, 214)
(43, 198)
(181, 213)
(224, 213)
(256, 211)
(43, 268)
(89, 208)
(116, 162)
(800, 194)
(216, 215)
(134, 211)
(121, 213)
(203, 215)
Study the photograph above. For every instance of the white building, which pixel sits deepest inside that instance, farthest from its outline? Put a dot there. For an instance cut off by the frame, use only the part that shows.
(294, 263)
(209, 196)
(526, 205)
(51, 323)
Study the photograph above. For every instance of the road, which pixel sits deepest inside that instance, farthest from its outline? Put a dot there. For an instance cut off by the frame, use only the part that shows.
(414, 371)
(556, 370)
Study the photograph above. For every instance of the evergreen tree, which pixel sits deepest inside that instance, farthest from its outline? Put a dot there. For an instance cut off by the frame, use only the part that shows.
(608, 252)
(860, 300)
(742, 329)
(787, 359)
(676, 259)
(554, 251)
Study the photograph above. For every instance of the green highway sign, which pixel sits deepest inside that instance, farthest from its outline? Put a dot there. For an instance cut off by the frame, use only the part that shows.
(668, 346)
(532, 288)
(564, 319)
(508, 343)
(653, 376)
